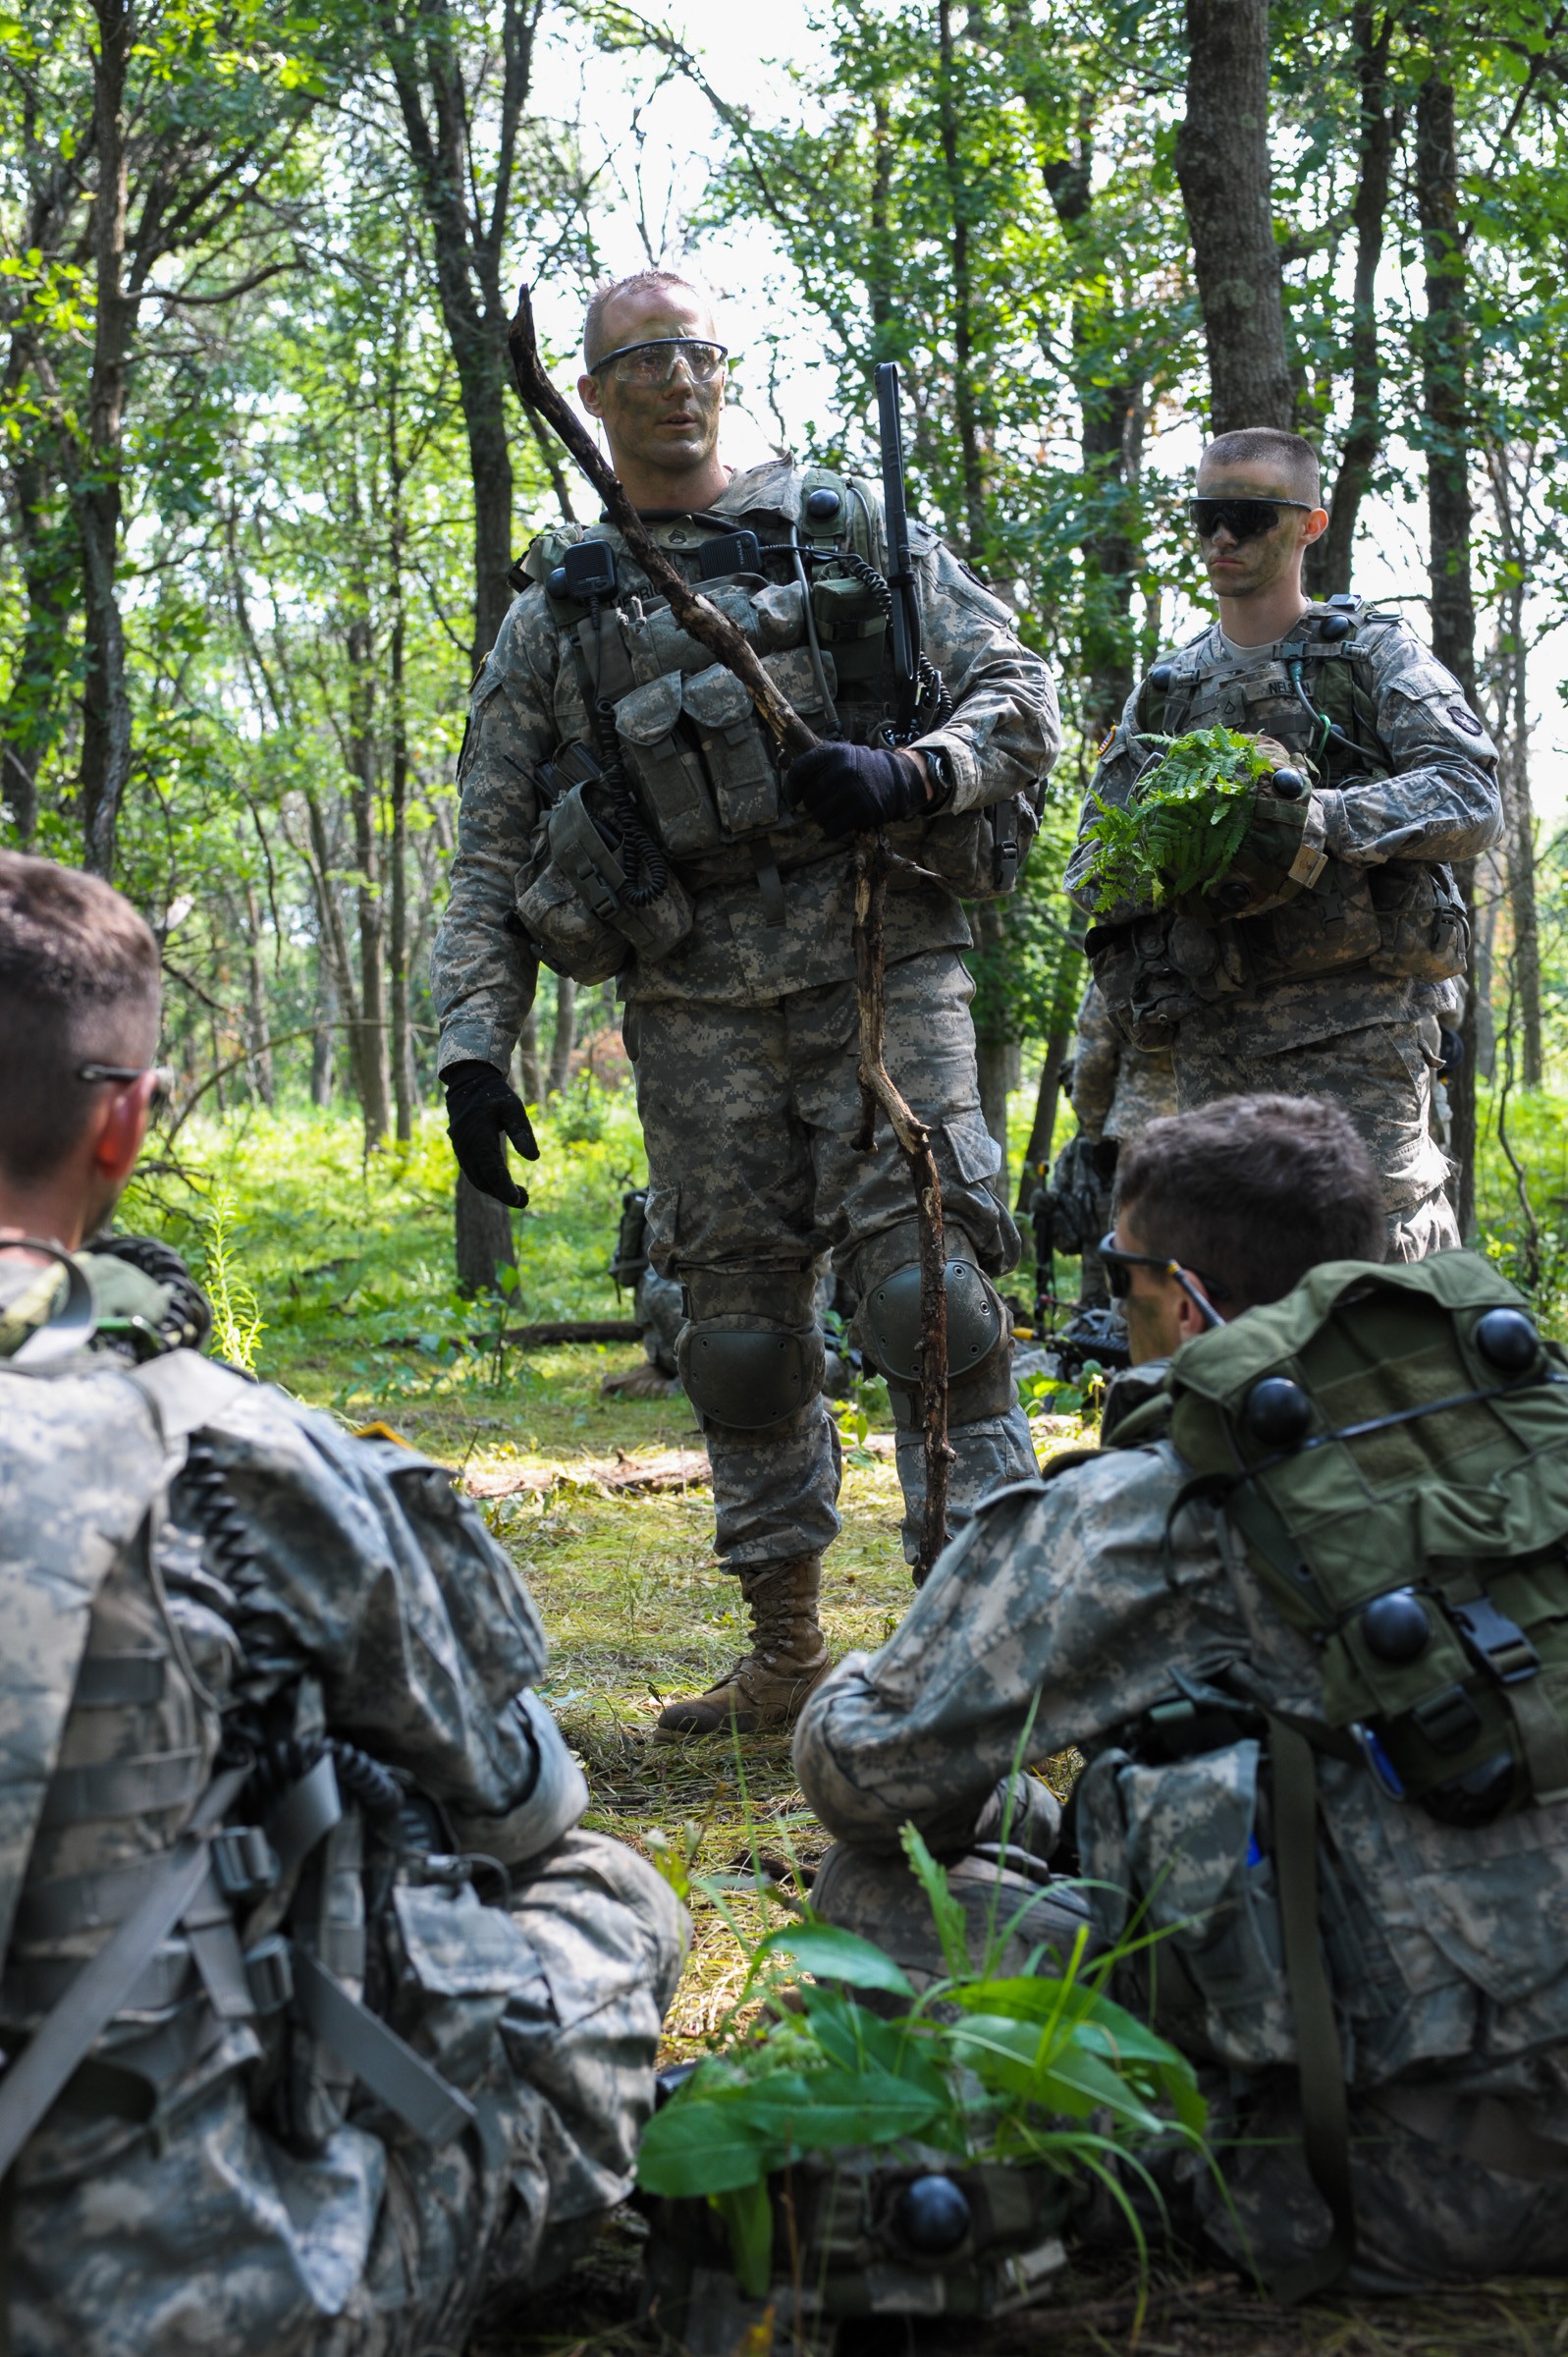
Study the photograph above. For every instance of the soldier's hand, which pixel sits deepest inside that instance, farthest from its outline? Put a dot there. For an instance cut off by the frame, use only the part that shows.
(482, 1107)
(848, 787)
(1294, 770)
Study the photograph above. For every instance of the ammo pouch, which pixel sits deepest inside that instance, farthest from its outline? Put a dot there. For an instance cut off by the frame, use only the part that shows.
(979, 852)
(572, 900)
(1403, 920)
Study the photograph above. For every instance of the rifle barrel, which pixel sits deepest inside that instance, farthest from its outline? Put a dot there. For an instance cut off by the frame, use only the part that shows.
(901, 574)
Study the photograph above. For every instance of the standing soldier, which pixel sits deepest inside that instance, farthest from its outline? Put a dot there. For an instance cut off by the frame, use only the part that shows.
(1318, 984)
(624, 813)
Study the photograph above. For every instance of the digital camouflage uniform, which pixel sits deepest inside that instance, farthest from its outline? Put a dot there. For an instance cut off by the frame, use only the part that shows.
(1076, 1606)
(197, 1572)
(1331, 992)
(741, 1013)
(1117, 1091)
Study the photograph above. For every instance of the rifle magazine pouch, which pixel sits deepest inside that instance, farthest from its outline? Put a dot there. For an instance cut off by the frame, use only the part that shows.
(667, 767)
(733, 749)
(1422, 922)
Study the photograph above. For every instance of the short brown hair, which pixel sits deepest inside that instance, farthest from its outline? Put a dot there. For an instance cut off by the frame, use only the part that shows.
(78, 977)
(1254, 1192)
(1292, 452)
(641, 282)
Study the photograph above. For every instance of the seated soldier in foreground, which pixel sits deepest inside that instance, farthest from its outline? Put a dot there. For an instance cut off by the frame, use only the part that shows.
(1306, 1617)
(322, 2020)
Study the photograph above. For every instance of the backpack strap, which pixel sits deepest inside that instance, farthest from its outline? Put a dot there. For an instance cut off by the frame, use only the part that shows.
(1320, 2060)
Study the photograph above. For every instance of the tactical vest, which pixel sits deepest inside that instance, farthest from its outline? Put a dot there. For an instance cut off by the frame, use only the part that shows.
(176, 1896)
(1380, 1881)
(704, 770)
(1314, 693)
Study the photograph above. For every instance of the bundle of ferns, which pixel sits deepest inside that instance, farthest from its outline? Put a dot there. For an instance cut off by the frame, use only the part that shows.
(1186, 822)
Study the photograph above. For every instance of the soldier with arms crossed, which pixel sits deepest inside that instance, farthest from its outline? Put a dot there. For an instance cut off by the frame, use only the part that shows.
(1303, 1615)
(1327, 976)
(322, 2020)
(624, 813)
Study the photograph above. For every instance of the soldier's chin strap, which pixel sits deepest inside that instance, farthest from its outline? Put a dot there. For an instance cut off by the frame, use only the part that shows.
(65, 1331)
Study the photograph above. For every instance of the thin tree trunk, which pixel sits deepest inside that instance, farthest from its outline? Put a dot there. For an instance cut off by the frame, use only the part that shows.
(964, 403)
(324, 1038)
(398, 847)
(1513, 746)
(1222, 166)
(1447, 405)
(1329, 560)
(1110, 553)
(530, 1080)
(95, 494)
(1065, 998)
(260, 1067)
(373, 1065)
(566, 1036)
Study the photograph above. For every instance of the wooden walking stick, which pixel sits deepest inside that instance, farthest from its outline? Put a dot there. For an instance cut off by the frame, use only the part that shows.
(875, 862)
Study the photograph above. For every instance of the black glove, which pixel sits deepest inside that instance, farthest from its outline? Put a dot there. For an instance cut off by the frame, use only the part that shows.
(848, 787)
(481, 1105)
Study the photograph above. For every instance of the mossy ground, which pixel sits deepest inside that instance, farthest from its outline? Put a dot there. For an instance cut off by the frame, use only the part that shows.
(347, 1263)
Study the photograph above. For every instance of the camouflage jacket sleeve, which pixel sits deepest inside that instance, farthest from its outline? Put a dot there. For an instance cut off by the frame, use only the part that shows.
(369, 1574)
(1442, 801)
(1097, 1052)
(1005, 730)
(482, 978)
(1057, 1590)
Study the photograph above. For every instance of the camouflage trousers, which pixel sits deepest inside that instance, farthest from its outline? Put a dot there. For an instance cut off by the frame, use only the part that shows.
(750, 1114)
(1381, 1076)
(206, 2233)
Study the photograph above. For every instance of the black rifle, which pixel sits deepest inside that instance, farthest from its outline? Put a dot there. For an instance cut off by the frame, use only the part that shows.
(905, 616)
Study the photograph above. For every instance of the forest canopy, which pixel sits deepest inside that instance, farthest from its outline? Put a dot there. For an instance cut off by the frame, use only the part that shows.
(264, 477)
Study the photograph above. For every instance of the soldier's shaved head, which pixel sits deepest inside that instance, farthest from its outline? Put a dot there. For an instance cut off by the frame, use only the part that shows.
(1290, 460)
(80, 982)
(599, 335)
(1253, 1193)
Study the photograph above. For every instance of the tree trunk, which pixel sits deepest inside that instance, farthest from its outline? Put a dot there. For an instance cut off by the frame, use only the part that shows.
(398, 848)
(530, 1082)
(95, 493)
(261, 1079)
(566, 1037)
(1512, 730)
(1058, 1043)
(965, 405)
(323, 1039)
(1445, 401)
(1105, 410)
(51, 568)
(1222, 166)
(484, 1242)
(373, 1065)
(1329, 560)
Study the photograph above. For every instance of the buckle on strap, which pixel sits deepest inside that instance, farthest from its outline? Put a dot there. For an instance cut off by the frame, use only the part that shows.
(1498, 1643)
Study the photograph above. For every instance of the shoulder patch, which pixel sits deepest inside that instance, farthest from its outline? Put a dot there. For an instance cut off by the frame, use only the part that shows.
(1463, 717)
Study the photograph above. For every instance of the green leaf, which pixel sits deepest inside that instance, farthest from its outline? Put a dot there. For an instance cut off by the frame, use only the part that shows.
(953, 1929)
(843, 2108)
(705, 2142)
(834, 1955)
(747, 2213)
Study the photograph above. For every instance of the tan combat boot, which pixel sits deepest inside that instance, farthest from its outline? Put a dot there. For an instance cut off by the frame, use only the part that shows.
(768, 1687)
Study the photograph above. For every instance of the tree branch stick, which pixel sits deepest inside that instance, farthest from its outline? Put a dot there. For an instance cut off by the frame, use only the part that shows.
(874, 862)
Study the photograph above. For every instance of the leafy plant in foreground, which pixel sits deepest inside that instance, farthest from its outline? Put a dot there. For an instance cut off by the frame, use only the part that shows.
(1037, 2069)
(1186, 823)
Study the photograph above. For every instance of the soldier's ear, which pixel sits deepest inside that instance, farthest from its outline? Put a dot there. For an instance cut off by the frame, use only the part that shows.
(1316, 526)
(588, 394)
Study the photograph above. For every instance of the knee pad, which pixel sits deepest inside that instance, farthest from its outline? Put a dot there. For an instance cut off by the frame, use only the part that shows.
(748, 1376)
(979, 1355)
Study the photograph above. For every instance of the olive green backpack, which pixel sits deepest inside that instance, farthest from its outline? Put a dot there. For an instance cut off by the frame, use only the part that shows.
(1391, 1445)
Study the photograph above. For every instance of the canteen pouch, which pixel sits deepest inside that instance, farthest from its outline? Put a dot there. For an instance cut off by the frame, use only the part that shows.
(572, 901)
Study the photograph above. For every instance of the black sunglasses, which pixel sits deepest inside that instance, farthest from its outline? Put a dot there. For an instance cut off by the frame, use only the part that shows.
(163, 1079)
(1118, 1263)
(1243, 519)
